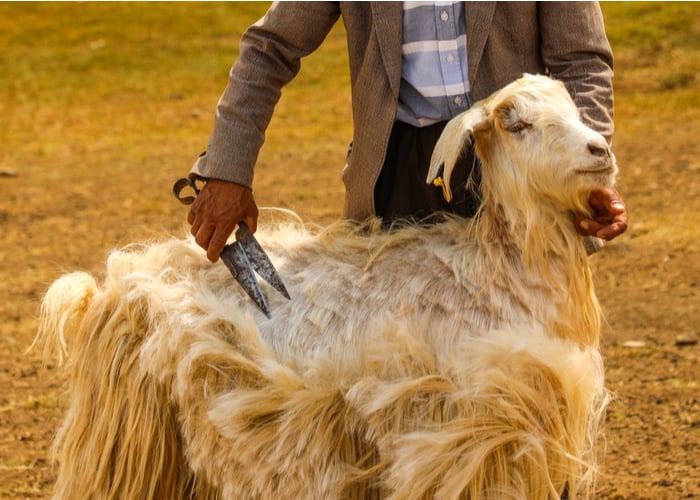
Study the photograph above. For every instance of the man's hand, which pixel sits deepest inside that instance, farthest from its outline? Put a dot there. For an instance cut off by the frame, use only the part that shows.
(609, 217)
(216, 212)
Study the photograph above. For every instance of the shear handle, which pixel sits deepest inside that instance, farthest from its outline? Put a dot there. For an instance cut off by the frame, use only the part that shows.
(185, 182)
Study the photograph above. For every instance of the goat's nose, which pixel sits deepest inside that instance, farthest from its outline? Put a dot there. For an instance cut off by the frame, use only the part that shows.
(599, 149)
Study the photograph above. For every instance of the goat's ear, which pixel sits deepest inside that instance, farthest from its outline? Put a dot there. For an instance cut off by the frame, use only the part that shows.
(454, 138)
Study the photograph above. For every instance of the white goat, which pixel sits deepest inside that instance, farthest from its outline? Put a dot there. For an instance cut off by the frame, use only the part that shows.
(445, 361)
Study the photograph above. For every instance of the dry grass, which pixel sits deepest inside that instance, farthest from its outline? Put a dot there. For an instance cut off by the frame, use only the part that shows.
(105, 104)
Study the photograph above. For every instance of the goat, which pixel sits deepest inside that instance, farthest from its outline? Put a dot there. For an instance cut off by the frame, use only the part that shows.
(451, 360)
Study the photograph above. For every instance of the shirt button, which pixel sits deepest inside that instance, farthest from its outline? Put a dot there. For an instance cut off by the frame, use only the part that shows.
(450, 58)
(444, 15)
(458, 100)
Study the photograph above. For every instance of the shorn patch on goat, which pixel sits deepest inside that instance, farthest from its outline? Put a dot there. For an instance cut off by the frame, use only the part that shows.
(454, 360)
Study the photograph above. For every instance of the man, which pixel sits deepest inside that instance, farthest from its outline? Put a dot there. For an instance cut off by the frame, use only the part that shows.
(398, 112)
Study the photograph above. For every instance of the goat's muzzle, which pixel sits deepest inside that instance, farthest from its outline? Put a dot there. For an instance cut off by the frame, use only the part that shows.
(601, 160)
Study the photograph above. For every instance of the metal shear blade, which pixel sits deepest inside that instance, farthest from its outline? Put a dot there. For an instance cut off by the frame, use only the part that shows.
(246, 255)
(243, 256)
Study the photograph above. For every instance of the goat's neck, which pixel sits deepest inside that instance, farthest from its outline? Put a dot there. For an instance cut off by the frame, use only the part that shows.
(541, 245)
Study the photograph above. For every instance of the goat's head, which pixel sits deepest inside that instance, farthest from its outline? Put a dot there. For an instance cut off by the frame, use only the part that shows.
(532, 146)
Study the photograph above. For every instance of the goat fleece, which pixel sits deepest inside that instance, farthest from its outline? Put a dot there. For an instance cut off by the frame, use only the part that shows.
(454, 360)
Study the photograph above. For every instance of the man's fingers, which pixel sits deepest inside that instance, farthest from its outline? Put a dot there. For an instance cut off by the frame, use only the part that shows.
(252, 223)
(609, 217)
(196, 224)
(216, 211)
(216, 244)
(605, 228)
(211, 240)
(190, 217)
(614, 228)
(611, 231)
(606, 200)
(203, 235)
(586, 226)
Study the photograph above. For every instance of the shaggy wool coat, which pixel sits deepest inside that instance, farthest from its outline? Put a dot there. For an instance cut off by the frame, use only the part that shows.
(504, 40)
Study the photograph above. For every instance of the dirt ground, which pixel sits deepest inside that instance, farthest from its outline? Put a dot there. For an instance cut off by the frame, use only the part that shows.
(648, 282)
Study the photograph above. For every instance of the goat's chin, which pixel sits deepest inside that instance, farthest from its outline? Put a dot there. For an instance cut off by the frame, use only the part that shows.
(601, 175)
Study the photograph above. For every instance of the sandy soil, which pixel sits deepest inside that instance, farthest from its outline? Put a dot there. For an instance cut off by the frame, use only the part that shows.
(647, 280)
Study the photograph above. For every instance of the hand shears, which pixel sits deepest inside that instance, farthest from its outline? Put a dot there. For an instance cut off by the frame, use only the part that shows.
(243, 256)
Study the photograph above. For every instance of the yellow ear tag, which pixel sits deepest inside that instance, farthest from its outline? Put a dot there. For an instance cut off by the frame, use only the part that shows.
(446, 193)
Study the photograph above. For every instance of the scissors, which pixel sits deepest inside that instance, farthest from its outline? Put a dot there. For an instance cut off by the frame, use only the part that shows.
(242, 257)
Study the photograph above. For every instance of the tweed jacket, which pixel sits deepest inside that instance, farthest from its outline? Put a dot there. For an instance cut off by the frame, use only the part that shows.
(504, 40)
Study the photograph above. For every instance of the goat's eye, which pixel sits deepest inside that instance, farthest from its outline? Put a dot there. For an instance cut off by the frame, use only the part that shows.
(518, 127)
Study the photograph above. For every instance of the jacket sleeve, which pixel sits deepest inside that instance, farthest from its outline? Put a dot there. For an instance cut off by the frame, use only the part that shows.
(270, 57)
(575, 50)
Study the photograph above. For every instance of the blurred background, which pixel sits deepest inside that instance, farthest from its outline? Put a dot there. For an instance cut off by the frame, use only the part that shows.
(104, 105)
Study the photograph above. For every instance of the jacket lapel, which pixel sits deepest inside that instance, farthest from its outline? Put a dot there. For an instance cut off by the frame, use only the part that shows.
(388, 23)
(479, 16)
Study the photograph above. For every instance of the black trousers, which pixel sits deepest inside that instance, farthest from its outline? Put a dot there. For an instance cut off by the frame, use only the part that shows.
(401, 191)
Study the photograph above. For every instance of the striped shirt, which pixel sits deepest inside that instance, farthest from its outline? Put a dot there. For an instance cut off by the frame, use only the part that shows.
(434, 71)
